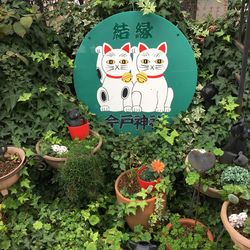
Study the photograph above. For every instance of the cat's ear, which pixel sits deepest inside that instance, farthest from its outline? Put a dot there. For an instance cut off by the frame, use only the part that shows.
(126, 47)
(163, 47)
(142, 47)
(106, 48)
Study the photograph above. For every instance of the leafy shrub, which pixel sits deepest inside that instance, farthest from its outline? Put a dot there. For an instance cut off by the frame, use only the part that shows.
(35, 75)
(247, 226)
(82, 177)
(236, 176)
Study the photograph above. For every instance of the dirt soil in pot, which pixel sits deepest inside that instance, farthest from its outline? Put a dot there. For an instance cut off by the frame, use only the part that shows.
(129, 185)
(8, 163)
(236, 209)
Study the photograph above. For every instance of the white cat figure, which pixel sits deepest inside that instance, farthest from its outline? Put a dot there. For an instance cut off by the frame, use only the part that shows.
(150, 92)
(113, 67)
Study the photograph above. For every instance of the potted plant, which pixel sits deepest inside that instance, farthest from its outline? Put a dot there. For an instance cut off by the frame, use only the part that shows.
(150, 175)
(187, 234)
(55, 149)
(200, 163)
(78, 127)
(141, 206)
(209, 176)
(236, 218)
(11, 163)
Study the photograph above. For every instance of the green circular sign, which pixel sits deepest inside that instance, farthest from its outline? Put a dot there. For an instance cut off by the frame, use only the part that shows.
(132, 68)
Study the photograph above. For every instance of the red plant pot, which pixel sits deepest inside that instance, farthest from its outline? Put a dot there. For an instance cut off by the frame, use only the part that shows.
(80, 132)
(146, 184)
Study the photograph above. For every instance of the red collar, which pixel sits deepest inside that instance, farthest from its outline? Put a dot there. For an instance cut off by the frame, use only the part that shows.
(157, 76)
(115, 77)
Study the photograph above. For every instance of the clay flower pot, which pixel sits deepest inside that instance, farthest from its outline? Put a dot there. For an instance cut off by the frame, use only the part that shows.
(80, 132)
(146, 184)
(56, 161)
(240, 241)
(141, 217)
(11, 178)
(187, 223)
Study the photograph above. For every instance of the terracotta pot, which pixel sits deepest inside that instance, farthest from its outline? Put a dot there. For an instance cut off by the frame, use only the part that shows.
(141, 217)
(185, 222)
(240, 241)
(210, 192)
(146, 184)
(80, 132)
(11, 178)
(56, 161)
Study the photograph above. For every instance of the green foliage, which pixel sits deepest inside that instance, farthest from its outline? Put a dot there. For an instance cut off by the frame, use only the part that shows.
(246, 229)
(229, 105)
(146, 6)
(74, 147)
(181, 237)
(82, 177)
(36, 84)
(233, 199)
(14, 21)
(169, 135)
(241, 192)
(35, 75)
(192, 178)
(149, 175)
(236, 176)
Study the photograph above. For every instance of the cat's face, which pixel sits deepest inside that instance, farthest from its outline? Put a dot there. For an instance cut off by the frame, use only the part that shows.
(116, 62)
(152, 61)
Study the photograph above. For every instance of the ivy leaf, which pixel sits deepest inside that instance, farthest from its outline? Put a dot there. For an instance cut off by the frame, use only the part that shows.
(24, 97)
(218, 152)
(19, 29)
(29, 152)
(94, 219)
(91, 246)
(25, 183)
(38, 225)
(26, 21)
(6, 29)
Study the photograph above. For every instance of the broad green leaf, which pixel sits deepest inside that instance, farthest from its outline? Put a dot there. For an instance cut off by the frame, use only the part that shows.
(19, 29)
(94, 219)
(91, 246)
(6, 29)
(26, 21)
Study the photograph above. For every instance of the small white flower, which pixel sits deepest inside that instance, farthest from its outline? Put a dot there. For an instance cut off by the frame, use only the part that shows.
(59, 149)
(237, 220)
(55, 148)
(63, 149)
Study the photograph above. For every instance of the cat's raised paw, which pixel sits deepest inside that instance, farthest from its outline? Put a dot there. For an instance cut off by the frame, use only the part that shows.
(127, 109)
(104, 108)
(141, 77)
(127, 77)
(137, 109)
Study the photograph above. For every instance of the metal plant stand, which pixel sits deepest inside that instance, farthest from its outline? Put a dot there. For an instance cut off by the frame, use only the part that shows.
(243, 44)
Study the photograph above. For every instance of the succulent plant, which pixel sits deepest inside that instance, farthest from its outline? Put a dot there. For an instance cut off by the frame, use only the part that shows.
(235, 175)
(233, 198)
